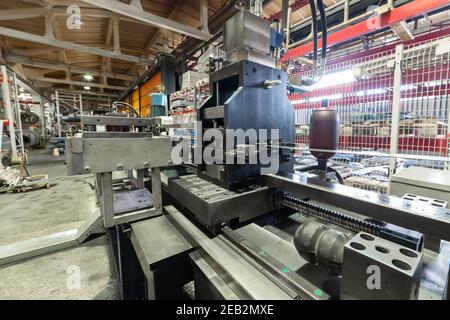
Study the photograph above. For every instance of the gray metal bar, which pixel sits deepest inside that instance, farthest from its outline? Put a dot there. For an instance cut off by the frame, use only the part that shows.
(396, 106)
(81, 104)
(432, 221)
(58, 114)
(250, 283)
(18, 251)
(284, 14)
(43, 122)
(17, 113)
(292, 283)
(116, 121)
(214, 112)
(134, 216)
(1, 134)
(140, 178)
(156, 189)
(8, 109)
(107, 199)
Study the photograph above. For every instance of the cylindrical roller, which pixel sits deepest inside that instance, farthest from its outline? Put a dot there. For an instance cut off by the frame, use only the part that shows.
(318, 244)
(324, 134)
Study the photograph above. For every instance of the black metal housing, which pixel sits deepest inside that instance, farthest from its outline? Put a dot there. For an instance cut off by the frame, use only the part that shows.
(249, 104)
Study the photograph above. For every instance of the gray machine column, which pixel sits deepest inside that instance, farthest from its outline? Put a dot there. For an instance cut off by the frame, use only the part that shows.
(156, 189)
(107, 203)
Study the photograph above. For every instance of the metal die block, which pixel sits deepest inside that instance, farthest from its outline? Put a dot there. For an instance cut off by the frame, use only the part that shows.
(213, 205)
(124, 151)
(245, 30)
(162, 253)
(377, 269)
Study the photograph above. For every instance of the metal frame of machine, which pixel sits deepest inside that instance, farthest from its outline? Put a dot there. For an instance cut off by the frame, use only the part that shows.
(303, 237)
(103, 153)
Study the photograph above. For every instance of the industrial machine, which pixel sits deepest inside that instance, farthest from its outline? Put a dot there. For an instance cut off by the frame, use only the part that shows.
(124, 199)
(232, 230)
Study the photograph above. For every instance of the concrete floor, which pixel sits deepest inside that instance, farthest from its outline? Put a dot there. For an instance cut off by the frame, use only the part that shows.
(62, 207)
(40, 160)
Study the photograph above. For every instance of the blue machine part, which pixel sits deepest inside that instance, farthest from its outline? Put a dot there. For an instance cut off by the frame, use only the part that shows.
(158, 99)
(159, 106)
(276, 38)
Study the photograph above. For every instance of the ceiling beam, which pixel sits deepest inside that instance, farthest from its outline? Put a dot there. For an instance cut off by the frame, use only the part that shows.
(68, 45)
(34, 51)
(16, 14)
(106, 62)
(402, 31)
(158, 33)
(78, 83)
(204, 15)
(87, 93)
(116, 33)
(49, 31)
(2, 50)
(17, 59)
(58, 10)
(149, 18)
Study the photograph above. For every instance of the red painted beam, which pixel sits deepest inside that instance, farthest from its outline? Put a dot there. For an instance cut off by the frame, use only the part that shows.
(407, 11)
(381, 48)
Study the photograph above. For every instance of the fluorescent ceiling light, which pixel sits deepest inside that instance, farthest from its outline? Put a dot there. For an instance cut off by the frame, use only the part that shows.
(87, 88)
(88, 77)
(334, 79)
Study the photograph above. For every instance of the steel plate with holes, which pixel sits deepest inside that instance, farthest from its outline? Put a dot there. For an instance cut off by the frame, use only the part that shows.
(432, 221)
(127, 201)
(430, 201)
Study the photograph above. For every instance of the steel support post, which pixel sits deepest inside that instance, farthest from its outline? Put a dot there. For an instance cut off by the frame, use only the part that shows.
(156, 190)
(81, 104)
(1, 134)
(140, 178)
(447, 164)
(9, 110)
(58, 114)
(107, 198)
(17, 116)
(396, 106)
(43, 122)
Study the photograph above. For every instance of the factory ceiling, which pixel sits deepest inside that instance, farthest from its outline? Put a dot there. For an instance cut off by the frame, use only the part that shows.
(56, 43)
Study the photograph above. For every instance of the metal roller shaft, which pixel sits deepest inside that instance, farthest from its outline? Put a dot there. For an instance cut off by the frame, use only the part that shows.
(337, 218)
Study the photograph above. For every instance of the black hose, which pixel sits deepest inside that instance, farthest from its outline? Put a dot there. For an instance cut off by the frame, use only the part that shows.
(323, 20)
(315, 29)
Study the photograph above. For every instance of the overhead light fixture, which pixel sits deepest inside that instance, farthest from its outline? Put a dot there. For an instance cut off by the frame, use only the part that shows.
(88, 77)
(21, 89)
(87, 88)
